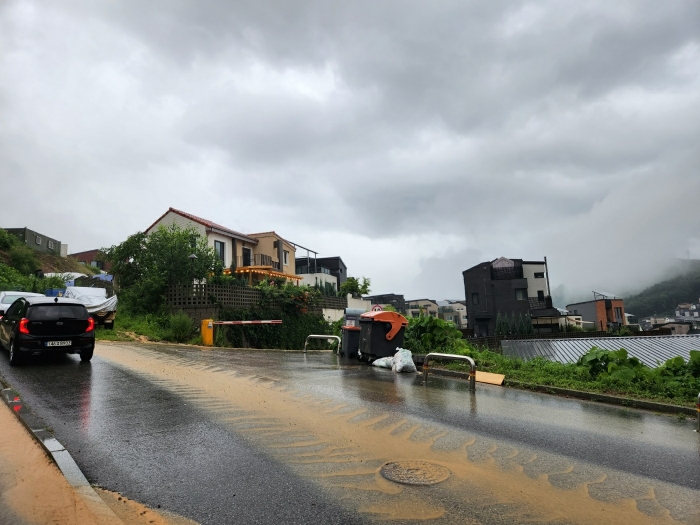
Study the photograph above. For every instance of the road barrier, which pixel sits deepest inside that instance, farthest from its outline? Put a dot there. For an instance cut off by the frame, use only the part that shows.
(249, 322)
(452, 357)
(315, 336)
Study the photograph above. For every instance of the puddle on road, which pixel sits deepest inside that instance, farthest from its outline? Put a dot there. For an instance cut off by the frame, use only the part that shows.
(343, 447)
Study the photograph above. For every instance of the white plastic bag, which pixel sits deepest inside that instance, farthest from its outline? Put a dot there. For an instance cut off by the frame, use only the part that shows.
(403, 361)
(384, 362)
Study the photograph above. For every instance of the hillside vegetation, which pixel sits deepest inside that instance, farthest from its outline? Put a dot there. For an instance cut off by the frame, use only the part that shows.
(662, 298)
(19, 262)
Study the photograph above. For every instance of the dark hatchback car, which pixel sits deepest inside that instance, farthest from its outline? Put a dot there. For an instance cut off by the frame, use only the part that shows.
(42, 325)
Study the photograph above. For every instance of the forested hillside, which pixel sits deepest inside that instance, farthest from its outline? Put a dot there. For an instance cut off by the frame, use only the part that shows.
(662, 298)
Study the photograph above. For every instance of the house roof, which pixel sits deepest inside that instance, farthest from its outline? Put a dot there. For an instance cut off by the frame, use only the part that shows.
(262, 234)
(217, 228)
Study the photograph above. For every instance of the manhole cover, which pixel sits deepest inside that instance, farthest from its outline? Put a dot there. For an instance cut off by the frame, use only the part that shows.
(413, 472)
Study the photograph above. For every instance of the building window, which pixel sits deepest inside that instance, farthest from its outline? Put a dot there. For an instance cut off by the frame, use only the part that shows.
(475, 298)
(539, 275)
(220, 249)
(521, 294)
(540, 295)
(51, 245)
(38, 240)
(618, 314)
(286, 257)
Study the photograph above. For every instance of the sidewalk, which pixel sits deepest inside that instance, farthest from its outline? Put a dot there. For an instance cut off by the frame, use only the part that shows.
(32, 488)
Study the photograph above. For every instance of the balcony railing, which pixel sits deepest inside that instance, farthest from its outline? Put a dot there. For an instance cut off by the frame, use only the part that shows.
(501, 274)
(257, 259)
(303, 269)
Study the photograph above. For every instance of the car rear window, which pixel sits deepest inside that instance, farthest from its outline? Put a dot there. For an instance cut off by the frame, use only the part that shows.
(54, 312)
(9, 299)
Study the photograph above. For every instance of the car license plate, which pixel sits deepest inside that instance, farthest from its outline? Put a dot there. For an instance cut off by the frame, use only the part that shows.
(57, 343)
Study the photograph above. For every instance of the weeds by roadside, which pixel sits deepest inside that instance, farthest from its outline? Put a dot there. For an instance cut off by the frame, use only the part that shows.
(651, 383)
(176, 328)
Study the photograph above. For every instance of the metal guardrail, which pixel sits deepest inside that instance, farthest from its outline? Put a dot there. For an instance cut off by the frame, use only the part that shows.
(315, 336)
(472, 370)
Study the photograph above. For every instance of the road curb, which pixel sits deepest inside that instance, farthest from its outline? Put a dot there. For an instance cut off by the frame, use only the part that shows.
(56, 451)
(608, 399)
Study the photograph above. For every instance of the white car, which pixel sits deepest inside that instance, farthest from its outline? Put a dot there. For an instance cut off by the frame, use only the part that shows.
(7, 298)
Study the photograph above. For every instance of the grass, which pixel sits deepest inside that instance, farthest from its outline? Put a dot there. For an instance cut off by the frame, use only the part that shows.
(539, 371)
(144, 328)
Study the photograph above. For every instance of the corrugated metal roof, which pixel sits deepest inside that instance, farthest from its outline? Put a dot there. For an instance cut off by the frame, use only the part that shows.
(649, 350)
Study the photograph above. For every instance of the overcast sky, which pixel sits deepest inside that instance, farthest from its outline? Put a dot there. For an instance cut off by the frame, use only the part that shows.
(413, 139)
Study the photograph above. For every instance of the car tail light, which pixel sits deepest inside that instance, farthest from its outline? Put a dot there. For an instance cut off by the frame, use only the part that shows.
(23, 328)
(91, 325)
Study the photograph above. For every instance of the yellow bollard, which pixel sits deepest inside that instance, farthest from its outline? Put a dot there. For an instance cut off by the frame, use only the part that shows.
(208, 332)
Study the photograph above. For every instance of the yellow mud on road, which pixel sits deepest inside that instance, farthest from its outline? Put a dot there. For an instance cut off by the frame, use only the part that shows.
(342, 447)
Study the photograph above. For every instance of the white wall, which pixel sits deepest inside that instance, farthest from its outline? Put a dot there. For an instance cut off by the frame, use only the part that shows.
(311, 279)
(359, 303)
(534, 284)
(182, 222)
(228, 246)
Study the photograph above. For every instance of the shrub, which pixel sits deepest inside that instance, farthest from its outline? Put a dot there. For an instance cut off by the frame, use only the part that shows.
(23, 259)
(7, 240)
(181, 327)
(430, 334)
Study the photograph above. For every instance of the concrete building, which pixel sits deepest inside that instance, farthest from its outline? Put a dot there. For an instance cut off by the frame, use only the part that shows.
(414, 307)
(604, 311)
(392, 299)
(38, 241)
(510, 287)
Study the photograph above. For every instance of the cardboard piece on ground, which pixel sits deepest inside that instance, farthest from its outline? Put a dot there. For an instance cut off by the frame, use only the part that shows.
(491, 379)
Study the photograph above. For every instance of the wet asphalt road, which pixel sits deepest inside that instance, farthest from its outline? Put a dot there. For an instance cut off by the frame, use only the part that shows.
(134, 433)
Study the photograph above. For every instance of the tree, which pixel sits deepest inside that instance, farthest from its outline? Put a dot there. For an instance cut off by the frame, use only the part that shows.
(145, 265)
(352, 286)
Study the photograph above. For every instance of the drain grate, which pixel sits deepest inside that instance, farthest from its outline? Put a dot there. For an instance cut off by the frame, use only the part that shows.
(414, 472)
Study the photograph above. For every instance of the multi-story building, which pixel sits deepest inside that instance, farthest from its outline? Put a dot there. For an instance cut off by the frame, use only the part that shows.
(38, 241)
(415, 307)
(453, 311)
(688, 311)
(254, 256)
(509, 287)
(317, 270)
(604, 311)
(392, 299)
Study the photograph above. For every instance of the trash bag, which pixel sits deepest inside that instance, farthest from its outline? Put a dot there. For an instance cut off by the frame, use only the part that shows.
(384, 362)
(403, 361)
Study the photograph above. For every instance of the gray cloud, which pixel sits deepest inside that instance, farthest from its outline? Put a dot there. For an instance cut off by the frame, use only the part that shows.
(444, 132)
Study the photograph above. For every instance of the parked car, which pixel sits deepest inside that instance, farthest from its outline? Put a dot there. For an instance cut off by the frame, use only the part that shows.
(42, 325)
(7, 298)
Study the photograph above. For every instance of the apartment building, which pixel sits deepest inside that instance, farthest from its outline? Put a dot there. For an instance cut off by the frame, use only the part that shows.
(510, 287)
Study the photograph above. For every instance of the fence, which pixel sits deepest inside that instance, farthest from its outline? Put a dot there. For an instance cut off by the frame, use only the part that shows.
(201, 301)
(494, 342)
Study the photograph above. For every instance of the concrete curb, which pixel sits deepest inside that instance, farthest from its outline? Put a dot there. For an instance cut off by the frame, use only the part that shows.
(57, 452)
(626, 402)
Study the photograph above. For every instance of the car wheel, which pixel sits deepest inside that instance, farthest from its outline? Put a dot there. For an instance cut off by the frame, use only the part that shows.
(14, 353)
(86, 355)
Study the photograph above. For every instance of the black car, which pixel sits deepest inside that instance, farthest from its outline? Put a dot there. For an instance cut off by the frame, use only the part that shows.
(40, 325)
